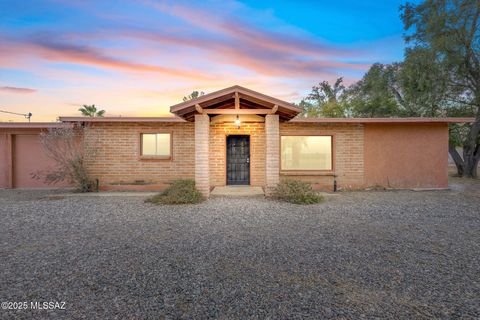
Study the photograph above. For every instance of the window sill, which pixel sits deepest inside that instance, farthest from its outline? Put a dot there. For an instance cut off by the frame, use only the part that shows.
(155, 158)
(308, 173)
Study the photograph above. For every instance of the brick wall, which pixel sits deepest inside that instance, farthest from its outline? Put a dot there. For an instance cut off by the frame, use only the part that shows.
(272, 135)
(117, 147)
(114, 153)
(348, 154)
(218, 138)
(202, 172)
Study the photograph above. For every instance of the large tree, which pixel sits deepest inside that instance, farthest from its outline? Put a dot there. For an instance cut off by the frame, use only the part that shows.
(325, 100)
(450, 30)
(423, 82)
(374, 95)
(412, 88)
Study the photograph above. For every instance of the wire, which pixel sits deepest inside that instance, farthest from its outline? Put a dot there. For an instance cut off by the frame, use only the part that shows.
(26, 115)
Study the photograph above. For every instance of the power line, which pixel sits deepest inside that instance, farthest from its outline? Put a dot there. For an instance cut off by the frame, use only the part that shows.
(26, 115)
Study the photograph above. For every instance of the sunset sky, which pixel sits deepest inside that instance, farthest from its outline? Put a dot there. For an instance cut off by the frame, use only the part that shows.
(136, 58)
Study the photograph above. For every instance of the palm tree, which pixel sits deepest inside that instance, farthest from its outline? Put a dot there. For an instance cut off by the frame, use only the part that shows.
(91, 111)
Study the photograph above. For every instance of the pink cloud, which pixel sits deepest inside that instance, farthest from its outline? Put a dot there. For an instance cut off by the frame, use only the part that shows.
(236, 42)
(64, 52)
(236, 28)
(17, 90)
(249, 55)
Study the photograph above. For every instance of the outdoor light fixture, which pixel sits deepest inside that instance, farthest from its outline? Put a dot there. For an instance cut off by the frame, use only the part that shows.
(237, 122)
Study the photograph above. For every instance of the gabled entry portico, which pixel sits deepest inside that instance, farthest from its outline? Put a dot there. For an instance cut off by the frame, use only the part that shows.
(236, 137)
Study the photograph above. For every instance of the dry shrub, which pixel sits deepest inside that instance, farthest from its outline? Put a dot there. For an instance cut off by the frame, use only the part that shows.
(297, 192)
(64, 145)
(181, 191)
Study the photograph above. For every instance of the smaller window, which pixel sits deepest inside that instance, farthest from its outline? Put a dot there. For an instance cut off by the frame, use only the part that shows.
(156, 144)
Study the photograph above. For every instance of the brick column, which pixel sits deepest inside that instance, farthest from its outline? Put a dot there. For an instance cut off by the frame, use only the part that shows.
(202, 175)
(272, 138)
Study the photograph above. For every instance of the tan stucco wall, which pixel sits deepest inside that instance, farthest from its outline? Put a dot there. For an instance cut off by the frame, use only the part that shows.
(348, 159)
(218, 139)
(4, 167)
(116, 153)
(406, 155)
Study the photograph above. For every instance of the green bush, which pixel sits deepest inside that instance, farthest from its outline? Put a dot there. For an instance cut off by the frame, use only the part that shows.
(180, 192)
(297, 192)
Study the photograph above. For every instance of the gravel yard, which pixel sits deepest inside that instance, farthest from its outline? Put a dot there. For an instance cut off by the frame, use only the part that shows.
(399, 254)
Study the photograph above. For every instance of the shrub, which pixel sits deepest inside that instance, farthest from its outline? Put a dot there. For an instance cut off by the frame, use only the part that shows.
(64, 145)
(180, 192)
(297, 192)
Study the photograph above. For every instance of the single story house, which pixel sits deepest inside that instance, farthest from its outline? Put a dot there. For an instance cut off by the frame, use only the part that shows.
(238, 136)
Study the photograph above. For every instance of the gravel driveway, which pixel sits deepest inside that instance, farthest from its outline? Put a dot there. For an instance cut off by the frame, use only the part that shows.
(375, 254)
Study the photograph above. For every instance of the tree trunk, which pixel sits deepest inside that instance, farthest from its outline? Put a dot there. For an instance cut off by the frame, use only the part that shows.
(471, 162)
(457, 159)
(471, 148)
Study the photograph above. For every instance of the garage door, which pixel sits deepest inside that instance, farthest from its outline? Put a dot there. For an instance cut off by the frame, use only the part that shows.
(28, 157)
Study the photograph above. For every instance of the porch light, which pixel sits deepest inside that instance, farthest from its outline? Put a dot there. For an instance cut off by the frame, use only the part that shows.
(237, 122)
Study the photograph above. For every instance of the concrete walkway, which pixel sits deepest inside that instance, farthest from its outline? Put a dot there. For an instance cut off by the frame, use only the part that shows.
(237, 191)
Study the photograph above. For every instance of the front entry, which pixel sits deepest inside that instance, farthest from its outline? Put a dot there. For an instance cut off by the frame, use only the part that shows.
(238, 160)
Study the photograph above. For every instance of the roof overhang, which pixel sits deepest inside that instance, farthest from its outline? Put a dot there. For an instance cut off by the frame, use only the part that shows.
(121, 119)
(235, 100)
(30, 125)
(383, 120)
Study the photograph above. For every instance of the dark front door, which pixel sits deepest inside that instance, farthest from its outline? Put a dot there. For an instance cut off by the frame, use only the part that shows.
(238, 160)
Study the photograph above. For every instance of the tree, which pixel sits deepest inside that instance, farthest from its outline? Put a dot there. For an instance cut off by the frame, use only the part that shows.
(450, 29)
(423, 81)
(325, 100)
(91, 111)
(193, 95)
(374, 95)
(415, 87)
(309, 110)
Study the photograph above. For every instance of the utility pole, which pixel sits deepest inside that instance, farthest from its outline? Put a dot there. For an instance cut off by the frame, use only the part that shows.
(26, 115)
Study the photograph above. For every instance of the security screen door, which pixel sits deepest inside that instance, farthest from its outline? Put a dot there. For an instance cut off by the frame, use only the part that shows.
(238, 160)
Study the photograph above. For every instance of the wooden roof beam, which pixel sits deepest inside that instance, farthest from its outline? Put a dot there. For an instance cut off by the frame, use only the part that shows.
(214, 101)
(256, 100)
(237, 100)
(237, 111)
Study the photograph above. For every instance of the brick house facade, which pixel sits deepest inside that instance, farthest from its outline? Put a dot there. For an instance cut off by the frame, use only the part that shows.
(239, 136)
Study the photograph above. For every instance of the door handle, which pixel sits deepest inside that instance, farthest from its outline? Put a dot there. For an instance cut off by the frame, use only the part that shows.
(248, 159)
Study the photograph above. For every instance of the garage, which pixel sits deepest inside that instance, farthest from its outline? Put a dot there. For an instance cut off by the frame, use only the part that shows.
(21, 154)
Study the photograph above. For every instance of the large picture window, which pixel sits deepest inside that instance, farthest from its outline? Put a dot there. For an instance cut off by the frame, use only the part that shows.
(306, 152)
(156, 145)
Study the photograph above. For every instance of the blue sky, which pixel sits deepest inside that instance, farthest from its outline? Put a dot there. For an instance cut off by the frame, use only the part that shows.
(140, 57)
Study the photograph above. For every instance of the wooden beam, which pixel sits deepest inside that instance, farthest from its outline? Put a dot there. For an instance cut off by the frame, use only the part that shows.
(198, 108)
(245, 104)
(211, 102)
(274, 109)
(237, 100)
(237, 111)
(183, 112)
(256, 100)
